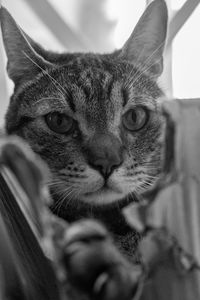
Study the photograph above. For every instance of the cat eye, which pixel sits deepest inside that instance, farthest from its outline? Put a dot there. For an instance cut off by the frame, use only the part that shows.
(59, 123)
(135, 119)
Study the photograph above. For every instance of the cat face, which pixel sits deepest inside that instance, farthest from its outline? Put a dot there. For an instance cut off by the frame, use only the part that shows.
(93, 118)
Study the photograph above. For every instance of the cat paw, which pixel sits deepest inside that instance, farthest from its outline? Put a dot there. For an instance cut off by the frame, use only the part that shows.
(93, 264)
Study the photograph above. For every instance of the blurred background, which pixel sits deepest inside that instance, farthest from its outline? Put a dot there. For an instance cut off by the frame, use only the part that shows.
(104, 25)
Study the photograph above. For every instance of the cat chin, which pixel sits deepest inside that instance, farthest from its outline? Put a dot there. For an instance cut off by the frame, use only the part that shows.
(103, 197)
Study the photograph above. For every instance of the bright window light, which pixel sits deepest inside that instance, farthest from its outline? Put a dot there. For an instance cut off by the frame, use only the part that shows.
(126, 13)
(176, 4)
(186, 59)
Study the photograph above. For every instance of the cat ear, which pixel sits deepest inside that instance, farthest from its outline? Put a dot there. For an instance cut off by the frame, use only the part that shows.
(146, 44)
(24, 61)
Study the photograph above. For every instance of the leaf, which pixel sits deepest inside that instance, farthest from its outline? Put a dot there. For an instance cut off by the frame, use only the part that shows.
(33, 270)
(172, 210)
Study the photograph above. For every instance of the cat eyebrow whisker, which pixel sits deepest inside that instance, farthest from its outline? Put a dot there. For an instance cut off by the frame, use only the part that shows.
(142, 69)
(60, 88)
(48, 98)
(151, 56)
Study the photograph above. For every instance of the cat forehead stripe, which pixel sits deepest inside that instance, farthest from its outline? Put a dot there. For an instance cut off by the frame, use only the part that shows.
(71, 103)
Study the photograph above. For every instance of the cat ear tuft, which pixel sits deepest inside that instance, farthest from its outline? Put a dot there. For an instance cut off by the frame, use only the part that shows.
(146, 44)
(23, 61)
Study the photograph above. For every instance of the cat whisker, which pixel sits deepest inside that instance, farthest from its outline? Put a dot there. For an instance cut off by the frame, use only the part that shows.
(64, 194)
(141, 70)
(151, 162)
(135, 195)
(154, 164)
(48, 98)
(59, 87)
(150, 176)
(57, 186)
(66, 180)
(73, 196)
(137, 64)
(148, 182)
(68, 196)
(144, 68)
(55, 181)
(141, 74)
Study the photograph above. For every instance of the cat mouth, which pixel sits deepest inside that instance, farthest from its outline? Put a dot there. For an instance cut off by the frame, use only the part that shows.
(105, 188)
(103, 195)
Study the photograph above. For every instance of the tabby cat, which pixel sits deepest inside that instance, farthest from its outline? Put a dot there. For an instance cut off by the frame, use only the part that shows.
(93, 118)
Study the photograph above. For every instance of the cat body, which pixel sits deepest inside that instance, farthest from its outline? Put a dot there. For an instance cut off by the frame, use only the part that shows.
(93, 118)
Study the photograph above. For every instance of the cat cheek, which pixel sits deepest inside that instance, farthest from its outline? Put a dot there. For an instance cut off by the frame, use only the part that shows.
(116, 181)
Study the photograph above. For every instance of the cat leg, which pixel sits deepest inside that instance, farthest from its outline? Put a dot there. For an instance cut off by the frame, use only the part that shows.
(93, 264)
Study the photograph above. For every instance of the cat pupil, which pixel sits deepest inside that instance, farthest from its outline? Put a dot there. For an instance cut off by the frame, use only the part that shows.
(134, 116)
(59, 120)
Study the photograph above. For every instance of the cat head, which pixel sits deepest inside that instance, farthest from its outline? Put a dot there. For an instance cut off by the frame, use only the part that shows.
(94, 118)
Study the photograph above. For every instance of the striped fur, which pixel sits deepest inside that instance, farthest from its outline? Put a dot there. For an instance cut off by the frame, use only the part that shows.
(96, 90)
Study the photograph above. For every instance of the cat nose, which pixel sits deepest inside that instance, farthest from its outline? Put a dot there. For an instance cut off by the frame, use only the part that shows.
(105, 154)
(106, 166)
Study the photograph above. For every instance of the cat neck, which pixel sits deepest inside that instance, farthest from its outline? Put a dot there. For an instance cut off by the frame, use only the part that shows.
(125, 237)
(110, 215)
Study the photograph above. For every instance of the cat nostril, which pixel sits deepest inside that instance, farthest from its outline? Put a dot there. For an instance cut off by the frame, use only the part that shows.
(105, 166)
